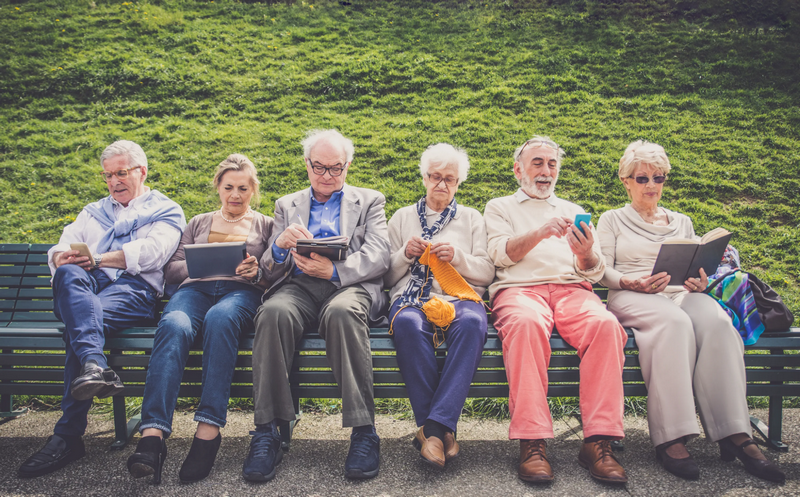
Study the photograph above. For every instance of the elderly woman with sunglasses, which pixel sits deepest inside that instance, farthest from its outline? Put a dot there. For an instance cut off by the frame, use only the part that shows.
(687, 344)
(439, 269)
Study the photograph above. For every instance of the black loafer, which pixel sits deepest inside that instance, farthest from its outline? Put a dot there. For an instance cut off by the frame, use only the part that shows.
(54, 455)
(95, 381)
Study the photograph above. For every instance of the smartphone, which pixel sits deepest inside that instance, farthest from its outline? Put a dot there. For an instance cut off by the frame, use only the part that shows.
(83, 249)
(586, 218)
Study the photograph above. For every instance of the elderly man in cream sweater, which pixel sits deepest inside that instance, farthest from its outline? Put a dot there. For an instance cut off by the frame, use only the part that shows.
(545, 269)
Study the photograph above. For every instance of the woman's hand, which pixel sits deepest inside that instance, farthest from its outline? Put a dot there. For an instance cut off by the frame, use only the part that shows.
(415, 247)
(697, 284)
(646, 284)
(444, 251)
(248, 269)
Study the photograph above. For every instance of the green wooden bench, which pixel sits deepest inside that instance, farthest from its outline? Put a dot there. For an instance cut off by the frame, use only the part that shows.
(32, 358)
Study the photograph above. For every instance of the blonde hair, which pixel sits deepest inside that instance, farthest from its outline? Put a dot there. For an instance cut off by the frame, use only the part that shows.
(238, 162)
(643, 152)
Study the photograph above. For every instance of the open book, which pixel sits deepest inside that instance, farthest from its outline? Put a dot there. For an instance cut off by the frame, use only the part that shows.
(333, 247)
(682, 258)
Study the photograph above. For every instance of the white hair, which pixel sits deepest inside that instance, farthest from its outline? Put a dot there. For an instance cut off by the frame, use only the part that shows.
(546, 141)
(129, 149)
(447, 155)
(643, 152)
(330, 136)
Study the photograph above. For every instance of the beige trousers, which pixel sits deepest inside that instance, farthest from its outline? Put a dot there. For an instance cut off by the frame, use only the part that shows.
(687, 345)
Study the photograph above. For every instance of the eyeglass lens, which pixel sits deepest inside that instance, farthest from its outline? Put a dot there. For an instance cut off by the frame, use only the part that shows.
(643, 180)
(437, 178)
(333, 170)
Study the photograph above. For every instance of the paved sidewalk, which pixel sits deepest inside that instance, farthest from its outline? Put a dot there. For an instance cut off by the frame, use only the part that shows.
(314, 466)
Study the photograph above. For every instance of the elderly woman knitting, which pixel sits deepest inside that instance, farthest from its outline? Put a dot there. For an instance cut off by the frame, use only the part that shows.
(439, 271)
(687, 344)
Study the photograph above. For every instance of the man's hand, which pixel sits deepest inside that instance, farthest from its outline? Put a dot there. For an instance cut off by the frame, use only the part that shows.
(646, 284)
(415, 247)
(317, 265)
(288, 239)
(444, 251)
(72, 257)
(556, 226)
(581, 245)
(248, 268)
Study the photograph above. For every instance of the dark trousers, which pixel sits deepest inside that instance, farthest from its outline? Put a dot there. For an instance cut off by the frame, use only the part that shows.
(438, 397)
(343, 317)
(91, 306)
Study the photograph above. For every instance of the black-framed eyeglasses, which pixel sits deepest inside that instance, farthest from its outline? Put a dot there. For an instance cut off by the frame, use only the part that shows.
(438, 178)
(121, 174)
(335, 170)
(539, 143)
(643, 180)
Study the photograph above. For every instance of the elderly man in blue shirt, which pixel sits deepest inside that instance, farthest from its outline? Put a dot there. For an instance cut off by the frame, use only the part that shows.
(343, 297)
(131, 234)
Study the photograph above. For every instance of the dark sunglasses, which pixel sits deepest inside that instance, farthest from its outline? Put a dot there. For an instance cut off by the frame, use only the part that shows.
(643, 180)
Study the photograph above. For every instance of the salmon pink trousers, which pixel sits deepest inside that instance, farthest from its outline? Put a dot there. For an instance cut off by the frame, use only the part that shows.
(524, 319)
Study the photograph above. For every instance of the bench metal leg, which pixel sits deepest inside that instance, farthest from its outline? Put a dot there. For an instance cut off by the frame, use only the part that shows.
(772, 433)
(286, 428)
(7, 407)
(123, 429)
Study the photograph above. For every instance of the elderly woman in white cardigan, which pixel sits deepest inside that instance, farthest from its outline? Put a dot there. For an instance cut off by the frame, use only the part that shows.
(436, 227)
(688, 347)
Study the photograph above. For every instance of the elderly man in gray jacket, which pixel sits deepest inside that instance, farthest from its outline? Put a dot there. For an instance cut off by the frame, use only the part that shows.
(341, 296)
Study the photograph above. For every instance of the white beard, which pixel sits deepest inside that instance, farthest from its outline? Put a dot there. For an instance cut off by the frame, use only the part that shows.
(530, 187)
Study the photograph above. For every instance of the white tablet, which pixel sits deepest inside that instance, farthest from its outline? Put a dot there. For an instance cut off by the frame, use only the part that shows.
(206, 260)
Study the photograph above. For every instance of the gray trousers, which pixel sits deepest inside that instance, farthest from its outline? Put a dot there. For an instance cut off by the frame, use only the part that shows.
(687, 345)
(343, 317)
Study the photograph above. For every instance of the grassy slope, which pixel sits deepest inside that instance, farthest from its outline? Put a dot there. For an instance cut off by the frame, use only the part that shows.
(194, 81)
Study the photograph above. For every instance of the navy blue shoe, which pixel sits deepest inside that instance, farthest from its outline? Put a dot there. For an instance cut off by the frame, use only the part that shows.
(364, 457)
(264, 456)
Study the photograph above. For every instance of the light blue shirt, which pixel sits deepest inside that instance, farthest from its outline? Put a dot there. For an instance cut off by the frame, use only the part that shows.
(323, 221)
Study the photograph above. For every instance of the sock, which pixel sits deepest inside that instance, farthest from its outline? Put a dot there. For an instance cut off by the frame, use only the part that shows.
(270, 427)
(71, 440)
(100, 359)
(434, 429)
(364, 429)
(596, 438)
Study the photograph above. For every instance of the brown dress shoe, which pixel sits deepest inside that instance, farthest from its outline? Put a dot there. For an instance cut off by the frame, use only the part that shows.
(533, 464)
(598, 458)
(431, 450)
(451, 448)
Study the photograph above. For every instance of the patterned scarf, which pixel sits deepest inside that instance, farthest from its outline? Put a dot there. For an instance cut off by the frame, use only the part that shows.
(418, 288)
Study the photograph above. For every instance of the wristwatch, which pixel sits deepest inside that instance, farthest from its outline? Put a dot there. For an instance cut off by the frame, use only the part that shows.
(257, 278)
(98, 258)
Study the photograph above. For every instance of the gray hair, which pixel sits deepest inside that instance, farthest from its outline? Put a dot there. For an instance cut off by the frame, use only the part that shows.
(544, 140)
(447, 155)
(643, 152)
(331, 136)
(129, 149)
(238, 162)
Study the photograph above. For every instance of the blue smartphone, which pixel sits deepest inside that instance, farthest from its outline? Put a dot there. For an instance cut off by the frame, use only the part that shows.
(586, 218)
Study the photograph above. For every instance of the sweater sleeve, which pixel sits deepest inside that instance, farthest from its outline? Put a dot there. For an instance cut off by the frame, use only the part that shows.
(399, 264)
(607, 234)
(475, 266)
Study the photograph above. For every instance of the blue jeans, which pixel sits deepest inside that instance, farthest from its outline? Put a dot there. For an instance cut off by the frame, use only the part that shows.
(434, 397)
(219, 311)
(92, 306)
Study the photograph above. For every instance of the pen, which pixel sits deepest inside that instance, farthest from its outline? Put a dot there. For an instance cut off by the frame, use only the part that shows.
(301, 221)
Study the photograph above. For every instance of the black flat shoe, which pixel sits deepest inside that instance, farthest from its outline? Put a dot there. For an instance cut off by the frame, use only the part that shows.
(148, 458)
(685, 468)
(200, 459)
(54, 455)
(95, 381)
(766, 470)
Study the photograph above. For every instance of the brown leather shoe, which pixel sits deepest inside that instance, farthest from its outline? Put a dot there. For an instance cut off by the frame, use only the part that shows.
(533, 464)
(431, 450)
(451, 448)
(598, 458)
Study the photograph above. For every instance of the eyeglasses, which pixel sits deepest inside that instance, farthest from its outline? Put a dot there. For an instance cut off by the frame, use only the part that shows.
(539, 143)
(334, 171)
(121, 174)
(643, 180)
(437, 178)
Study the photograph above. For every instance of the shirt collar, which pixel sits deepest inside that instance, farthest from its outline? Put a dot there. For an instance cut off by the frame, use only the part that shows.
(336, 197)
(133, 201)
(521, 196)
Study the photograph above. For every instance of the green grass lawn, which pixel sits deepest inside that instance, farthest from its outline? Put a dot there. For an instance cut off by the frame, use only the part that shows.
(717, 84)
